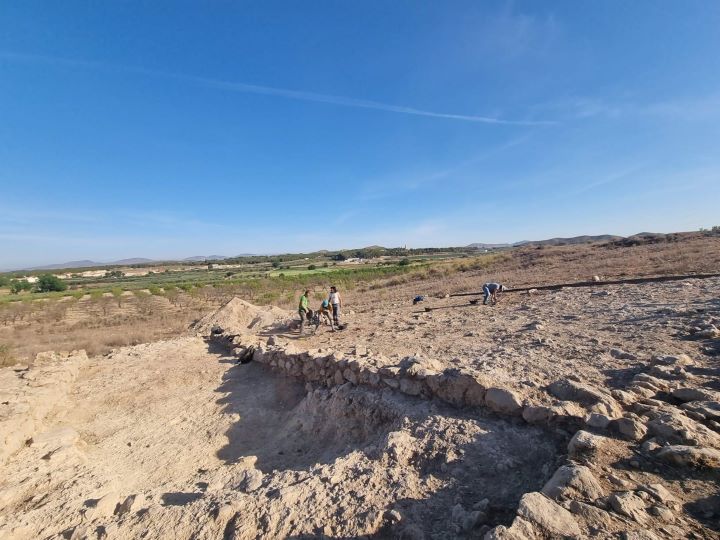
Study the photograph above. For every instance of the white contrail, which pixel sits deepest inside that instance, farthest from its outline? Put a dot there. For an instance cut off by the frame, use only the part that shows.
(273, 91)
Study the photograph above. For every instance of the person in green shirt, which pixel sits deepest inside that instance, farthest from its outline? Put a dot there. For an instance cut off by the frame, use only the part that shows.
(303, 311)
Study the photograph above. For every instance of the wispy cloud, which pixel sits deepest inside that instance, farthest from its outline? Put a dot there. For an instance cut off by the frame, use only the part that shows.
(683, 109)
(611, 178)
(286, 93)
(387, 187)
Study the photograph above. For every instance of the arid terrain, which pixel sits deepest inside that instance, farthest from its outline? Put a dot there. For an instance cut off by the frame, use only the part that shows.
(589, 412)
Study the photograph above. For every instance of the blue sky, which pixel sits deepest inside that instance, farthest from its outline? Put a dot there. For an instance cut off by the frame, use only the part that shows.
(170, 129)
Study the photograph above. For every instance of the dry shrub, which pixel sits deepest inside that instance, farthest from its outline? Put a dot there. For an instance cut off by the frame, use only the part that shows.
(7, 358)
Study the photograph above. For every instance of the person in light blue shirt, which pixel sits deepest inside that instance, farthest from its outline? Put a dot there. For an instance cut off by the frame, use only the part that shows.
(491, 290)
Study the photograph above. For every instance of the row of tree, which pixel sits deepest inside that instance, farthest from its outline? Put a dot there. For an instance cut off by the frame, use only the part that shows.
(45, 283)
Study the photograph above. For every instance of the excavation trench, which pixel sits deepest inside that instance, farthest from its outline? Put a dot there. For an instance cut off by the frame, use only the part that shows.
(377, 450)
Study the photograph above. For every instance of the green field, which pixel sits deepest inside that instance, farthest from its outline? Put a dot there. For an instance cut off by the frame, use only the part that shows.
(264, 279)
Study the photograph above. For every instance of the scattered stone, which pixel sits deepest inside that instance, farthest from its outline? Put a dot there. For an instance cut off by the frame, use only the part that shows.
(679, 360)
(573, 482)
(592, 515)
(622, 355)
(250, 480)
(585, 444)
(663, 513)
(619, 482)
(597, 420)
(659, 492)
(549, 516)
(629, 505)
(596, 399)
(630, 428)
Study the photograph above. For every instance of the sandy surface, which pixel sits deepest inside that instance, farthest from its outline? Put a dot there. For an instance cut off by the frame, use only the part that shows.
(175, 439)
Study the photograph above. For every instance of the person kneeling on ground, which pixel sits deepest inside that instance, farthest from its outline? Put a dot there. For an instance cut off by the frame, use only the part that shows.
(336, 303)
(325, 314)
(303, 310)
(491, 290)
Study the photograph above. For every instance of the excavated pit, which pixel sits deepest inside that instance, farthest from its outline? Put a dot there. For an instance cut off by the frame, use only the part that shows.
(442, 469)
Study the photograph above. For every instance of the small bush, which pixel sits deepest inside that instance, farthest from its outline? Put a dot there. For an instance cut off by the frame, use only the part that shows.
(404, 262)
(19, 285)
(49, 283)
(96, 294)
(117, 294)
(312, 267)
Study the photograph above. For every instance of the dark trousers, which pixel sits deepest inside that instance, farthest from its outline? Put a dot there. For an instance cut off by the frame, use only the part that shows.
(336, 314)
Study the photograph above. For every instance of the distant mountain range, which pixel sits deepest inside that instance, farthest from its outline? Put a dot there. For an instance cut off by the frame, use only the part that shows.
(550, 242)
(87, 264)
(480, 245)
(200, 258)
(567, 241)
(122, 262)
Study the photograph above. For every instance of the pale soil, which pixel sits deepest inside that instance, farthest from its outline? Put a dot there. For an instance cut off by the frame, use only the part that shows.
(181, 425)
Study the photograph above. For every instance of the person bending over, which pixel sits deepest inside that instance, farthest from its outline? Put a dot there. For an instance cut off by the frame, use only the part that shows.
(491, 290)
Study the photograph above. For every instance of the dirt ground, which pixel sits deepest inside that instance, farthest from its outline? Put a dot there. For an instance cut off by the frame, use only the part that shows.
(531, 339)
(595, 413)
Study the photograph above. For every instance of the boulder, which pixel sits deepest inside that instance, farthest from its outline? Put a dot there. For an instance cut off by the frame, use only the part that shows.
(503, 401)
(629, 505)
(452, 385)
(585, 444)
(350, 376)
(693, 394)
(630, 428)
(595, 399)
(411, 387)
(676, 428)
(690, 456)
(573, 482)
(598, 421)
(710, 410)
(678, 360)
(592, 515)
(249, 480)
(622, 355)
(546, 414)
(549, 516)
(659, 492)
